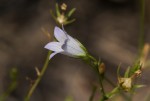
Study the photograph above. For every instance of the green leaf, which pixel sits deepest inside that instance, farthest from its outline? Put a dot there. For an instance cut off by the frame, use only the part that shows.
(70, 21)
(113, 92)
(71, 12)
(57, 10)
(126, 75)
(138, 86)
(118, 70)
(134, 68)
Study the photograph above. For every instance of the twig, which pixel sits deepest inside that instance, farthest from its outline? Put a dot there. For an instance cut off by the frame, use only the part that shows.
(93, 93)
(27, 98)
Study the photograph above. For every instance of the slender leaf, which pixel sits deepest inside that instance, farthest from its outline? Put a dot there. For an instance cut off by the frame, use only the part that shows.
(71, 12)
(70, 21)
(57, 10)
(126, 75)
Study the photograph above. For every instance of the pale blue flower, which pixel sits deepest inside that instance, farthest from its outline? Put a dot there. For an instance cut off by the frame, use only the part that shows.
(66, 45)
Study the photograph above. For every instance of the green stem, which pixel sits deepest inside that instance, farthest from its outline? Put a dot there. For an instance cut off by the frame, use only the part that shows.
(93, 93)
(10, 89)
(102, 88)
(142, 26)
(44, 68)
(110, 82)
(14, 77)
(95, 64)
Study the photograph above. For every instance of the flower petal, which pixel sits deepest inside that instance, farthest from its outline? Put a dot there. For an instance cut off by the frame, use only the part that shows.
(52, 54)
(72, 49)
(54, 46)
(73, 42)
(68, 54)
(59, 34)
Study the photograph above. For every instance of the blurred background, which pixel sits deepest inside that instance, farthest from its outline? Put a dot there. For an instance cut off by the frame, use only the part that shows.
(109, 29)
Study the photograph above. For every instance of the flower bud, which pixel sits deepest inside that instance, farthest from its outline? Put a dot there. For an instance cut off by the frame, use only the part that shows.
(136, 74)
(101, 68)
(63, 6)
(125, 83)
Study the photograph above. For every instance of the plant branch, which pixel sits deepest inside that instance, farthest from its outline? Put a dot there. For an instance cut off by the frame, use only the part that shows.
(93, 93)
(44, 68)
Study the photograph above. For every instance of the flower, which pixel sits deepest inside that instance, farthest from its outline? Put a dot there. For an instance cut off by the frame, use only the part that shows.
(66, 45)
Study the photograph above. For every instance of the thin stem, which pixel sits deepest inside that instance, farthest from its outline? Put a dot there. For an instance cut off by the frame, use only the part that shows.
(10, 89)
(14, 77)
(101, 84)
(44, 68)
(142, 26)
(95, 64)
(109, 81)
(93, 93)
(102, 87)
